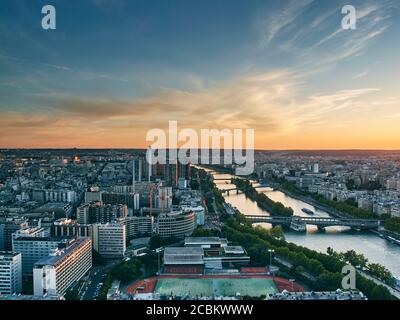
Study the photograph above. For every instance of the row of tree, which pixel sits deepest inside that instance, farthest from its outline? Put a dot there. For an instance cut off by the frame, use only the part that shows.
(345, 207)
(348, 207)
(265, 203)
(360, 261)
(393, 224)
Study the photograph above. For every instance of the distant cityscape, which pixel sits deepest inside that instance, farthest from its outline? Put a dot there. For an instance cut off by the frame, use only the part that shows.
(103, 224)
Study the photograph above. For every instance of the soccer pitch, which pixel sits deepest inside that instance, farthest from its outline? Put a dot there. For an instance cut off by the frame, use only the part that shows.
(208, 287)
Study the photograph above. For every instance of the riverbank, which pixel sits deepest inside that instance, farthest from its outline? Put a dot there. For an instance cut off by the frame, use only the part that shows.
(386, 234)
(332, 211)
(375, 248)
(324, 269)
(274, 208)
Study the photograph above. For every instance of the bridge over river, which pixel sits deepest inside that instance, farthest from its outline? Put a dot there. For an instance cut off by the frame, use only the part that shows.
(227, 191)
(299, 223)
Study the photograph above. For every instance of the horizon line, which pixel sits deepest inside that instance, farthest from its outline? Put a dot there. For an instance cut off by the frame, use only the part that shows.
(143, 149)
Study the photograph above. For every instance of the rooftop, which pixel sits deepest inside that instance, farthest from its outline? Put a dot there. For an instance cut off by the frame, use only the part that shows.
(8, 254)
(183, 255)
(233, 250)
(204, 240)
(60, 239)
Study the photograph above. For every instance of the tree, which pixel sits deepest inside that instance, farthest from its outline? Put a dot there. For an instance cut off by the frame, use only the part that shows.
(382, 273)
(355, 259)
(380, 293)
(155, 242)
(127, 271)
(277, 232)
(329, 281)
(202, 232)
(393, 224)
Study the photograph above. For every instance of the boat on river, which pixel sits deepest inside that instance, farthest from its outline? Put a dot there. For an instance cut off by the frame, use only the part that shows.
(308, 211)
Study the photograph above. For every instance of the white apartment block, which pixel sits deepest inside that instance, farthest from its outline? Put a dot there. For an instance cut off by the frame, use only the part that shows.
(60, 196)
(109, 239)
(10, 272)
(33, 249)
(54, 274)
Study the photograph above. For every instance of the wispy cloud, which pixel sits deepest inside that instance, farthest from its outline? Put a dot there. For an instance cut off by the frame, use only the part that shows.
(82, 73)
(361, 74)
(317, 37)
(277, 21)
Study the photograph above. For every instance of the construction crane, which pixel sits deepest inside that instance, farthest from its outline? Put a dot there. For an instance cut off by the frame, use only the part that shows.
(150, 189)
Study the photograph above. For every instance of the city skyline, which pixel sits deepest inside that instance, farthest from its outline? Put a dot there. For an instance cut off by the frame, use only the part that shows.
(112, 71)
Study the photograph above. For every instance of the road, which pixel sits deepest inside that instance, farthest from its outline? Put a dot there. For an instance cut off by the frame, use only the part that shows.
(97, 274)
(394, 292)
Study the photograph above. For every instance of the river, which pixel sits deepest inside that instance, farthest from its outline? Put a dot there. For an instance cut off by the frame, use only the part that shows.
(341, 239)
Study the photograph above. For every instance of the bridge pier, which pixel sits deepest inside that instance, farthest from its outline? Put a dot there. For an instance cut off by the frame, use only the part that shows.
(321, 228)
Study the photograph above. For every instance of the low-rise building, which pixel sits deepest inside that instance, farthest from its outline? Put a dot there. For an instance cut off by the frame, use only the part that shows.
(183, 260)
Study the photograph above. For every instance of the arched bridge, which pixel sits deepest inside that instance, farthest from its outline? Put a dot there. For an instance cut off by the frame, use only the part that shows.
(317, 221)
(227, 191)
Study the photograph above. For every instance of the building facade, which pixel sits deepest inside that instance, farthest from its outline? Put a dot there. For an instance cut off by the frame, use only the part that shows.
(109, 240)
(54, 274)
(177, 224)
(70, 228)
(10, 272)
(97, 212)
(34, 248)
(7, 228)
(138, 226)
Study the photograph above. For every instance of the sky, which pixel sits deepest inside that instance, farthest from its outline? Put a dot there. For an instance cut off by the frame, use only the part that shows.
(112, 70)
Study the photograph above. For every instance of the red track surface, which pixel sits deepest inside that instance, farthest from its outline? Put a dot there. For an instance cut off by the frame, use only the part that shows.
(150, 283)
(253, 270)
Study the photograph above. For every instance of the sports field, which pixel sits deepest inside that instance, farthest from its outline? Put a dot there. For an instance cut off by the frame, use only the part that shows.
(208, 287)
